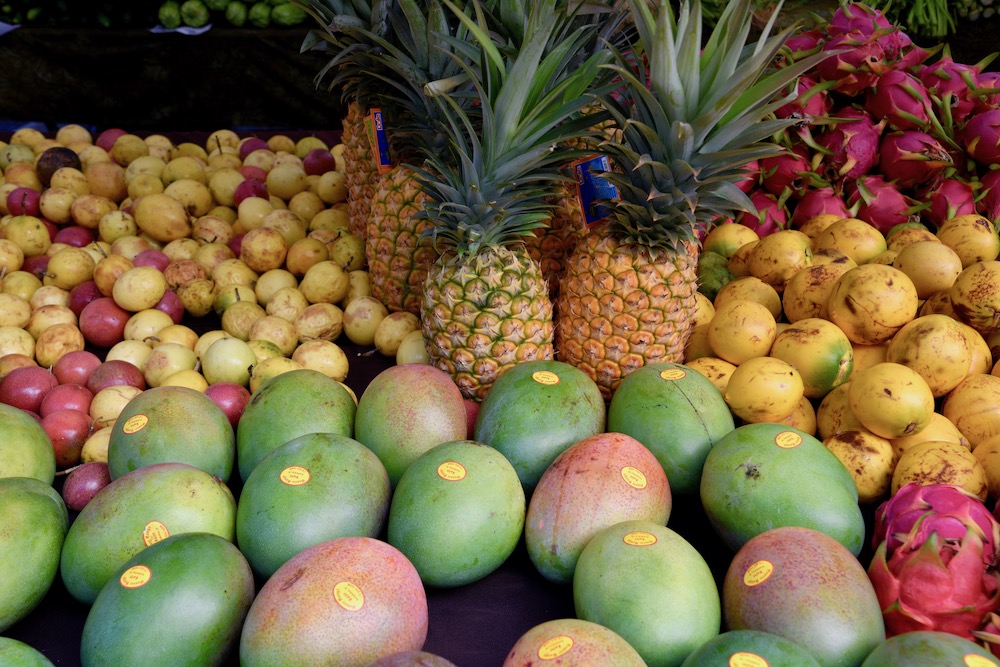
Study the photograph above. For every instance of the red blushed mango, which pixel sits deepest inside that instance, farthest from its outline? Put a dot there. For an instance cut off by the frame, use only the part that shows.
(596, 483)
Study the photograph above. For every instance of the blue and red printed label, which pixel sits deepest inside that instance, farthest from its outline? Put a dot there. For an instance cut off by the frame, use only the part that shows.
(375, 128)
(591, 187)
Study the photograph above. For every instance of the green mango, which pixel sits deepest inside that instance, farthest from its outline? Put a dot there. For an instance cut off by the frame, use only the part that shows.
(33, 524)
(135, 511)
(25, 448)
(181, 601)
(18, 654)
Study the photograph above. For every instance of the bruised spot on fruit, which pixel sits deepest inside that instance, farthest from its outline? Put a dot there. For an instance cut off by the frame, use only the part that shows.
(288, 583)
(910, 428)
(752, 470)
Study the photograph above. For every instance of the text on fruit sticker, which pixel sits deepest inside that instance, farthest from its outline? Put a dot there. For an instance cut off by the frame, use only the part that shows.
(758, 573)
(135, 576)
(788, 440)
(673, 374)
(555, 647)
(972, 660)
(744, 659)
(294, 476)
(639, 538)
(134, 424)
(154, 532)
(634, 477)
(451, 471)
(348, 596)
(545, 377)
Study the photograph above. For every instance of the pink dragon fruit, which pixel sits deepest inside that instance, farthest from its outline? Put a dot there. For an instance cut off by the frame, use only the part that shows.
(786, 171)
(988, 203)
(981, 136)
(947, 198)
(855, 65)
(902, 100)
(912, 157)
(811, 101)
(752, 178)
(817, 201)
(952, 83)
(935, 563)
(988, 93)
(850, 145)
(881, 203)
(771, 215)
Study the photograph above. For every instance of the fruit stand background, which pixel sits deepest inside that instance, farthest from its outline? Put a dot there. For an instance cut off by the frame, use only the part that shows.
(225, 78)
(146, 82)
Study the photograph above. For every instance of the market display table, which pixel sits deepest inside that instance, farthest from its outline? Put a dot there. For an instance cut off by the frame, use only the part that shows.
(143, 81)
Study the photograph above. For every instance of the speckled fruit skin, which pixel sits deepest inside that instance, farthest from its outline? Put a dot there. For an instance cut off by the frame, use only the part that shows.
(116, 524)
(677, 413)
(457, 513)
(405, 411)
(596, 483)
(537, 409)
(800, 583)
(311, 489)
(33, 524)
(929, 649)
(287, 406)
(411, 659)
(754, 647)
(635, 571)
(567, 642)
(172, 424)
(190, 610)
(762, 476)
(347, 601)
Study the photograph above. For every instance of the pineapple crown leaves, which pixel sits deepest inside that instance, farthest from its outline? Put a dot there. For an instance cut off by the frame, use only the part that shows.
(505, 160)
(414, 53)
(345, 30)
(692, 123)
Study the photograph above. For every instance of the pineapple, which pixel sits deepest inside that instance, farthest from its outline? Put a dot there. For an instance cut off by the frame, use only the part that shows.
(348, 29)
(486, 304)
(688, 127)
(416, 52)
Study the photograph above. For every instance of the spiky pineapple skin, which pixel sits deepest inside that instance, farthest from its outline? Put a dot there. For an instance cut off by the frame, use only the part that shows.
(398, 258)
(484, 313)
(620, 308)
(552, 246)
(360, 170)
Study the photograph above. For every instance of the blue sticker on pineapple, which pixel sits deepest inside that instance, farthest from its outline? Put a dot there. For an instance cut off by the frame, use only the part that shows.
(380, 141)
(591, 187)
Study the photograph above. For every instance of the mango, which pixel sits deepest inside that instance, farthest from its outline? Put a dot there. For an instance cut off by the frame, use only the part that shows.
(596, 483)
(457, 513)
(181, 601)
(563, 642)
(764, 475)
(677, 413)
(33, 524)
(636, 571)
(311, 489)
(135, 511)
(18, 654)
(926, 648)
(405, 411)
(286, 406)
(171, 423)
(752, 648)
(537, 409)
(25, 448)
(347, 601)
(804, 585)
